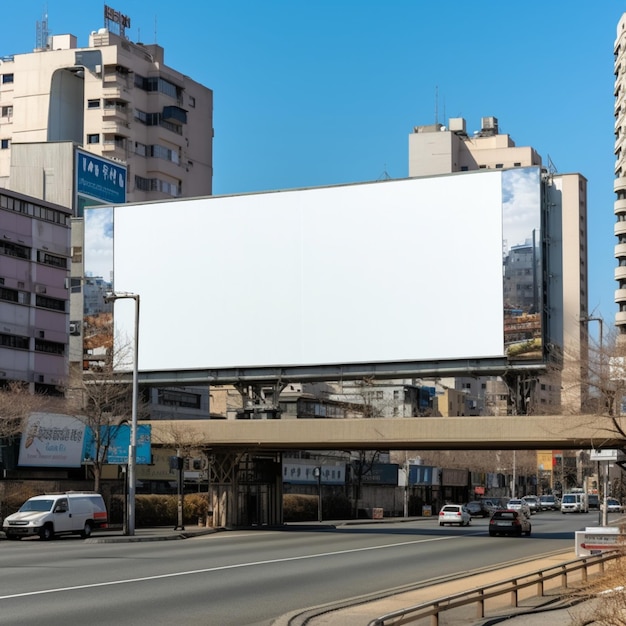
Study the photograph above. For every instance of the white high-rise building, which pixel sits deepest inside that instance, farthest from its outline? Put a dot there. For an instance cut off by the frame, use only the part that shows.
(619, 185)
(436, 149)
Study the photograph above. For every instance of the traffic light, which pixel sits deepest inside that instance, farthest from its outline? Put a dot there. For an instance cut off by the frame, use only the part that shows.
(176, 463)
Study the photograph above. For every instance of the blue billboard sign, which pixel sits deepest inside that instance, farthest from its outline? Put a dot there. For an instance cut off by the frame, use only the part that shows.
(117, 451)
(100, 179)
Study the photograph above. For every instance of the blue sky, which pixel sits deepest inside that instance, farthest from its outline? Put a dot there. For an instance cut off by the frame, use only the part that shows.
(310, 93)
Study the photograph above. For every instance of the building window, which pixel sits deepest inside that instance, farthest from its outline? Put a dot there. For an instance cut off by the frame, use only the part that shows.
(75, 285)
(7, 78)
(14, 341)
(51, 259)
(517, 164)
(499, 166)
(13, 295)
(4, 144)
(14, 249)
(51, 347)
(192, 102)
(7, 111)
(93, 104)
(50, 303)
(93, 138)
(178, 398)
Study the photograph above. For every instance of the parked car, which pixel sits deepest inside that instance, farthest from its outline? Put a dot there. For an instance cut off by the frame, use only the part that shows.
(517, 504)
(613, 506)
(454, 514)
(478, 508)
(509, 522)
(533, 503)
(549, 503)
(57, 514)
(493, 504)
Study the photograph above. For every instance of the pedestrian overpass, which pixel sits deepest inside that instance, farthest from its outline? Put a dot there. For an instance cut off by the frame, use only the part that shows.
(245, 456)
(522, 432)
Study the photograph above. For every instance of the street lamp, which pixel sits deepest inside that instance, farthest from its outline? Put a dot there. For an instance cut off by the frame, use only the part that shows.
(111, 296)
(586, 320)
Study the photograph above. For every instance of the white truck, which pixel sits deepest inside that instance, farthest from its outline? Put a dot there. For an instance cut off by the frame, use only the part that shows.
(71, 512)
(574, 502)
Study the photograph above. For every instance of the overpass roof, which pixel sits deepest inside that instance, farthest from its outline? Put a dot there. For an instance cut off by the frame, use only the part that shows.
(524, 432)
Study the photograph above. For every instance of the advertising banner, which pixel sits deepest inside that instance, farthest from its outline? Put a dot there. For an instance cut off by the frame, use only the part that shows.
(304, 474)
(119, 442)
(52, 440)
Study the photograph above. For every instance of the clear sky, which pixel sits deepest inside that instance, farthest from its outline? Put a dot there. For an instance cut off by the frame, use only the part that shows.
(311, 93)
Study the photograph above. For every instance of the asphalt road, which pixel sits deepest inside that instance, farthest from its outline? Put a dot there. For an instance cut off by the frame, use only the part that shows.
(244, 578)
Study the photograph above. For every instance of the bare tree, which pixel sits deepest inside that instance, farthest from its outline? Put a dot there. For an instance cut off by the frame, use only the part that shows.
(360, 466)
(102, 397)
(17, 403)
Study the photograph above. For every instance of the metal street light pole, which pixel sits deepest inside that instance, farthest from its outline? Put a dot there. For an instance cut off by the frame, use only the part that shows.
(600, 321)
(132, 448)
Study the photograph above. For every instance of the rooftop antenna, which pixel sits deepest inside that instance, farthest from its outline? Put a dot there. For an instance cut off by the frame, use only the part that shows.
(436, 104)
(384, 175)
(551, 166)
(42, 31)
(155, 29)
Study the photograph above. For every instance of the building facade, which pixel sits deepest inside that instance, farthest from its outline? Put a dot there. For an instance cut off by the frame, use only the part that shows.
(116, 107)
(436, 149)
(34, 292)
(619, 185)
(118, 100)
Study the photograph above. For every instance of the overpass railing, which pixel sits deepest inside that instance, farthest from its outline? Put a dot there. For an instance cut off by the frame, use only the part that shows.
(512, 586)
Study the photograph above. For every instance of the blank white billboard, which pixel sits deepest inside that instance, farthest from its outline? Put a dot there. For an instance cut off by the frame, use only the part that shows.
(390, 271)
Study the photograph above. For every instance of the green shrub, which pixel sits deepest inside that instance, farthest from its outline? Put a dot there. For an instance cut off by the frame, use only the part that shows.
(299, 508)
(161, 510)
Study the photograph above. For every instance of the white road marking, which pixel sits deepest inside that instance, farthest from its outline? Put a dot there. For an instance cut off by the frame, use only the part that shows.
(222, 568)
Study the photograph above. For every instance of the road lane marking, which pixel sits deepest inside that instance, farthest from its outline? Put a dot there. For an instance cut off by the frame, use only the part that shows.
(222, 568)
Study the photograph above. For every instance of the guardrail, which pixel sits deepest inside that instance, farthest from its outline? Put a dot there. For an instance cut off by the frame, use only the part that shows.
(480, 595)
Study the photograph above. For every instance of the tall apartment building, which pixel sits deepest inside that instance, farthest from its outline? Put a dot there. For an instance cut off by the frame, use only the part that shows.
(436, 149)
(116, 99)
(619, 185)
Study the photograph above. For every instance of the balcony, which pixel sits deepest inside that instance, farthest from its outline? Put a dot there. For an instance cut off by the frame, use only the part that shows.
(118, 113)
(620, 273)
(619, 228)
(113, 127)
(619, 206)
(620, 317)
(114, 149)
(619, 183)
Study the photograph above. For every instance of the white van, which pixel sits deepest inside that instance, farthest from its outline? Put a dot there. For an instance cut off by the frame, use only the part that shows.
(71, 512)
(575, 502)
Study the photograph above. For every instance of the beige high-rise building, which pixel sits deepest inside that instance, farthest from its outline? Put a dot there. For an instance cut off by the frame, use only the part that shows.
(116, 99)
(436, 149)
(113, 99)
